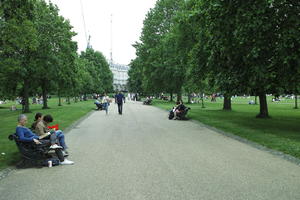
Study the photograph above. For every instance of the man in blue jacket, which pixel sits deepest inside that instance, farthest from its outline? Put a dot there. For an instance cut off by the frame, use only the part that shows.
(119, 98)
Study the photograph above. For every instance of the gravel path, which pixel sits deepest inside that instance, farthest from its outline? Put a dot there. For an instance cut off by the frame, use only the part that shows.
(143, 155)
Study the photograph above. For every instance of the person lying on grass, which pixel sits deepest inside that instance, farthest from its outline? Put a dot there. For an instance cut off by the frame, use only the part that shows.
(26, 135)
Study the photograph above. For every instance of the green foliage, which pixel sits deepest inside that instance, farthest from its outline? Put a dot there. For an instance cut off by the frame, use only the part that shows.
(286, 60)
(232, 47)
(158, 49)
(135, 76)
(56, 53)
(98, 68)
(18, 42)
(38, 55)
(85, 83)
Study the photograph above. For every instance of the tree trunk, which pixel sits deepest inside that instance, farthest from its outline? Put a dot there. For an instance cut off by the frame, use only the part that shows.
(263, 106)
(227, 102)
(26, 97)
(76, 100)
(44, 94)
(255, 100)
(171, 96)
(68, 100)
(202, 100)
(296, 101)
(84, 97)
(189, 98)
(136, 97)
(179, 96)
(59, 98)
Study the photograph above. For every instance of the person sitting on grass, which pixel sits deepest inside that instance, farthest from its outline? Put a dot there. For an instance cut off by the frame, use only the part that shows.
(42, 129)
(26, 135)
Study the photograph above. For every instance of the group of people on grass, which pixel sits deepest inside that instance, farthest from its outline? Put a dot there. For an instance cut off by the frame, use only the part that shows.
(41, 134)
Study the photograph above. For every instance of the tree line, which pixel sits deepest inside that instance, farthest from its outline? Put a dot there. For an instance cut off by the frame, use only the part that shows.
(38, 55)
(232, 47)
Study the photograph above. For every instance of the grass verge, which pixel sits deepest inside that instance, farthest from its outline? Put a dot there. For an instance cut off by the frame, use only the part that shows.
(63, 115)
(281, 132)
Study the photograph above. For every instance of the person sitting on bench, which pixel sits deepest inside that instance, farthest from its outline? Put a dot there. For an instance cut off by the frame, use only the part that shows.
(37, 118)
(42, 129)
(98, 104)
(26, 135)
(179, 110)
(147, 101)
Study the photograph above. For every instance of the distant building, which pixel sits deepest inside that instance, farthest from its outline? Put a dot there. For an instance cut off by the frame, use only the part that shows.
(120, 73)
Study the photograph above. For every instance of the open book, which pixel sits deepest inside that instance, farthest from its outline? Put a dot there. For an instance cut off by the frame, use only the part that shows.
(45, 135)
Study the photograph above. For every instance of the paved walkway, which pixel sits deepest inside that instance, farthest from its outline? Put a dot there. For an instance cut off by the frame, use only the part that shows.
(142, 155)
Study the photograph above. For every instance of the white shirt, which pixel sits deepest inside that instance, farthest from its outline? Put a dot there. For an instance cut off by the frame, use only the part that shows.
(105, 99)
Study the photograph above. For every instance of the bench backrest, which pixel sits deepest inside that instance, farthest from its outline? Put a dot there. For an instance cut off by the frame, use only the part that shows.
(29, 149)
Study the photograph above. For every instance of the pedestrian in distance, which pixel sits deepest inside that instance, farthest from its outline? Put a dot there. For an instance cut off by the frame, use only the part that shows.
(105, 102)
(119, 99)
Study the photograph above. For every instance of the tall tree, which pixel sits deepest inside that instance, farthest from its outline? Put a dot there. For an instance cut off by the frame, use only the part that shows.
(18, 44)
(155, 50)
(257, 39)
(135, 76)
(99, 70)
(286, 61)
(55, 54)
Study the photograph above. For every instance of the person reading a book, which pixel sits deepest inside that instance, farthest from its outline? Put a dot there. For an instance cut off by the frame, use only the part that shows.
(42, 129)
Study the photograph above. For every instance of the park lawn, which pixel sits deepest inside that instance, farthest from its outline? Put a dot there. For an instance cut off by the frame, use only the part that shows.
(281, 132)
(64, 116)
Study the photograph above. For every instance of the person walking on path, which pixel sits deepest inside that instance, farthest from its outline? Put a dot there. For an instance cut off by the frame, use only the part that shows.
(105, 102)
(119, 98)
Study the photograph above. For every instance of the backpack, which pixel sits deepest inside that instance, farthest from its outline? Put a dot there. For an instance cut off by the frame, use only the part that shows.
(171, 114)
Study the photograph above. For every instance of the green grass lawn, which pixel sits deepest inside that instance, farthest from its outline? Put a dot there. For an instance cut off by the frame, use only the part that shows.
(63, 115)
(281, 132)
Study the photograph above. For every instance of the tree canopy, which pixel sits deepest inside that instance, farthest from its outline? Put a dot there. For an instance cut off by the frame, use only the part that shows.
(230, 47)
(38, 55)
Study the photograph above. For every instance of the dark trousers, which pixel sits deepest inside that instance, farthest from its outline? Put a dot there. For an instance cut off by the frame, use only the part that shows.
(52, 139)
(120, 108)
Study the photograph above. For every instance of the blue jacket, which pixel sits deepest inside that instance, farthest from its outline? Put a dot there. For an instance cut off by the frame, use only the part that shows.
(119, 98)
(25, 135)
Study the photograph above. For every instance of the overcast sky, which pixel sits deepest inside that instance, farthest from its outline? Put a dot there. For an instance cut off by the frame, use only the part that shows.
(128, 16)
